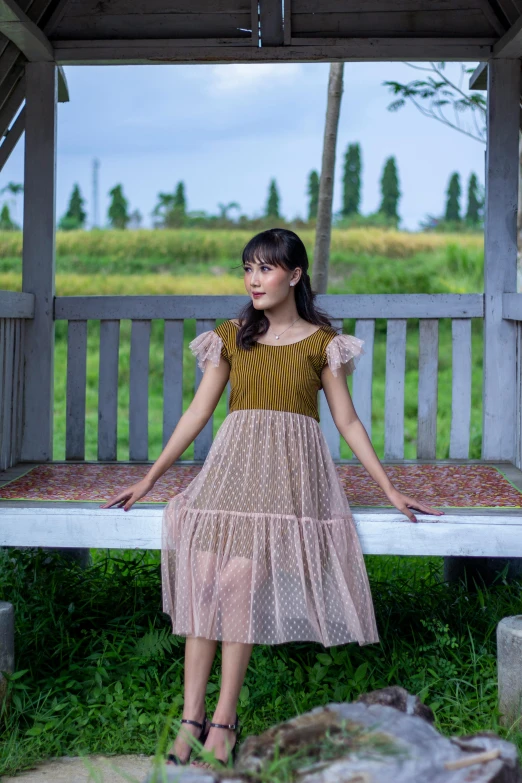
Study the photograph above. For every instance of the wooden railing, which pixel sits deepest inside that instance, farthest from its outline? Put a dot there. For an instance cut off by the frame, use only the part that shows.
(14, 309)
(173, 310)
(512, 310)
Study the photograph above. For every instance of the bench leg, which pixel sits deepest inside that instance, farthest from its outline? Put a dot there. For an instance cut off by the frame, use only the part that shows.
(480, 569)
(6, 644)
(509, 666)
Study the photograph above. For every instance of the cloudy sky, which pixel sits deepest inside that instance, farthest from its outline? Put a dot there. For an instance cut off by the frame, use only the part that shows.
(225, 130)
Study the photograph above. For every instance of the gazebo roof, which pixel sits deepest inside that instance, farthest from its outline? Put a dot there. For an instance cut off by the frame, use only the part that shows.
(223, 31)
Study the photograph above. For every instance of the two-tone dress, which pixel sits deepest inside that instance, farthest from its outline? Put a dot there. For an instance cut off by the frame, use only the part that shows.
(261, 546)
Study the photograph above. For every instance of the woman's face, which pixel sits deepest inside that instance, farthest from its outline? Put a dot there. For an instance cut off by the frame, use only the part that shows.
(271, 283)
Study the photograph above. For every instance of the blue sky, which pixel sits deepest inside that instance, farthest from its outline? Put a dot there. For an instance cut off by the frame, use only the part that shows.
(225, 130)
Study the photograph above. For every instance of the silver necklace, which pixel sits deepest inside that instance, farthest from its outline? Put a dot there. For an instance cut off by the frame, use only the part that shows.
(277, 336)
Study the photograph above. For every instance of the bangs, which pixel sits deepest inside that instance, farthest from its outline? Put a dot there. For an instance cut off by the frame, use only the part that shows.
(267, 248)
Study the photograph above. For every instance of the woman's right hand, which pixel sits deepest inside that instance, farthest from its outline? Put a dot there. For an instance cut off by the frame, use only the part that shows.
(127, 497)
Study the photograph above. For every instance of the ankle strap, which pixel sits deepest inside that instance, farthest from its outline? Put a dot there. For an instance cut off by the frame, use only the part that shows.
(194, 722)
(232, 726)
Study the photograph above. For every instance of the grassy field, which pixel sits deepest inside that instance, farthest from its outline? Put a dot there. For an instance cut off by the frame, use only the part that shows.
(199, 262)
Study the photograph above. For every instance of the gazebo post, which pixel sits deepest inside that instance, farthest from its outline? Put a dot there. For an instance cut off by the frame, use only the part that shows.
(500, 276)
(38, 268)
(38, 271)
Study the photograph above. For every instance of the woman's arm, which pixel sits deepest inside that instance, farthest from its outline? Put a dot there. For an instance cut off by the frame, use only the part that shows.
(191, 423)
(352, 430)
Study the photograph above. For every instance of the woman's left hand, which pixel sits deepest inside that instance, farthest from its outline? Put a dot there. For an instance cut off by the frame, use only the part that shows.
(405, 502)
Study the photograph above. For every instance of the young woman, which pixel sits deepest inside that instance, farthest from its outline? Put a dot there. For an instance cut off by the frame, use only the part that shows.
(261, 547)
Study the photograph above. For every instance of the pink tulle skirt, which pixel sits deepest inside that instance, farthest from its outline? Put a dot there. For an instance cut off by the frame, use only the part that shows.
(261, 546)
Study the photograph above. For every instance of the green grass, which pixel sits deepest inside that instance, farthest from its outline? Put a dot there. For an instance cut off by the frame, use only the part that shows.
(99, 671)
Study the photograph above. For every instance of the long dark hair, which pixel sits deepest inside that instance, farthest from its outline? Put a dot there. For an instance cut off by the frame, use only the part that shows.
(278, 247)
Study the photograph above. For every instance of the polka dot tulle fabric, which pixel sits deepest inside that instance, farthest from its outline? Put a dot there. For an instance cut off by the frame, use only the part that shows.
(261, 547)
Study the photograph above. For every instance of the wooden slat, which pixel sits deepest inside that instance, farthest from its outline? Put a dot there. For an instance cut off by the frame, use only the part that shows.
(510, 45)
(460, 388)
(254, 23)
(11, 106)
(470, 22)
(167, 25)
(139, 391)
(495, 19)
(76, 390)
(518, 421)
(287, 22)
(3, 349)
(512, 306)
(23, 32)
(415, 8)
(327, 424)
(70, 308)
(172, 377)
(427, 390)
(7, 396)
(203, 440)
(362, 379)
(16, 412)
(500, 258)
(117, 8)
(394, 393)
(108, 391)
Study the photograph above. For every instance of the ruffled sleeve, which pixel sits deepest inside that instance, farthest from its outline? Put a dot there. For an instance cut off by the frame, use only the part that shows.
(207, 346)
(344, 349)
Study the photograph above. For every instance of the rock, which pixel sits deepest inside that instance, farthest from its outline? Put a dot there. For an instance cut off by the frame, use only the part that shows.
(398, 697)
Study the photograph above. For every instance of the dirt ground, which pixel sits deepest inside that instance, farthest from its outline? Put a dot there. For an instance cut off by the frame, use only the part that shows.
(92, 769)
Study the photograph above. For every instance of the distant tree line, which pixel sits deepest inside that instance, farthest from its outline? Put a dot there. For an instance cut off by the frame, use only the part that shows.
(171, 208)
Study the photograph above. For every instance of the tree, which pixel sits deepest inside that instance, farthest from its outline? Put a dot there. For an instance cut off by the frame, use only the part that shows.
(224, 209)
(75, 216)
(171, 208)
(453, 199)
(135, 219)
(323, 230)
(474, 212)
(118, 212)
(14, 189)
(313, 194)
(352, 180)
(272, 204)
(390, 189)
(6, 224)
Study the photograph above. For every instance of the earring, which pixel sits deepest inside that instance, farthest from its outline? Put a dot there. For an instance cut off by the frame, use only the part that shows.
(292, 283)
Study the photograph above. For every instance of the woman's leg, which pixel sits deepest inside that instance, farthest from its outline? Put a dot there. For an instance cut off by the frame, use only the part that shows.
(199, 655)
(235, 659)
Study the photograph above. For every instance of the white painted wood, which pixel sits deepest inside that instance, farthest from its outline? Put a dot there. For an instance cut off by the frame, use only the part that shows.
(394, 390)
(203, 440)
(139, 391)
(254, 23)
(26, 35)
(326, 422)
(6, 390)
(168, 25)
(518, 421)
(380, 532)
(15, 304)
(39, 258)
(460, 388)
(500, 259)
(287, 22)
(18, 389)
(70, 308)
(479, 77)
(11, 139)
(108, 391)
(172, 377)
(76, 390)
(358, 49)
(363, 375)
(493, 17)
(427, 389)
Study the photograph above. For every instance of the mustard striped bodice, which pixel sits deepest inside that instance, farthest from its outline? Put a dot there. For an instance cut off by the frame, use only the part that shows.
(276, 377)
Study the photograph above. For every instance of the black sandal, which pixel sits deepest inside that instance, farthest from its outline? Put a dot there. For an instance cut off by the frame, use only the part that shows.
(234, 727)
(202, 737)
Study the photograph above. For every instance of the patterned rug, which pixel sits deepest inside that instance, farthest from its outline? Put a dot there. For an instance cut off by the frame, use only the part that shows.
(450, 486)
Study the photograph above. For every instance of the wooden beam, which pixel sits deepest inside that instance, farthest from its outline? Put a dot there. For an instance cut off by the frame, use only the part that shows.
(271, 22)
(27, 36)
(510, 45)
(254, 15)
(11, 106)
(38, 272)
(15, 304)
(492, 17)
(106, 52)
(12, 138)
(479, 78)
(500, 259)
